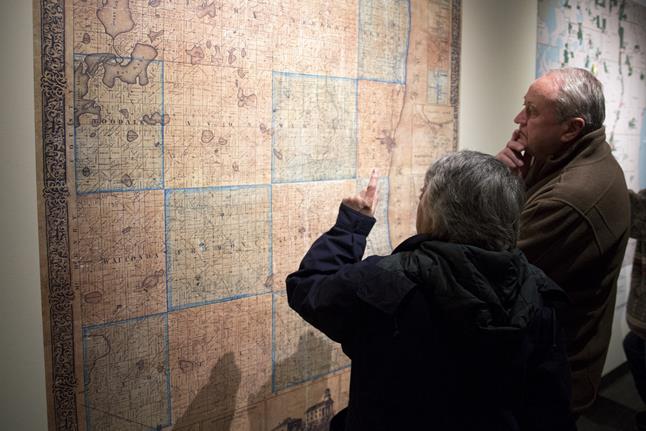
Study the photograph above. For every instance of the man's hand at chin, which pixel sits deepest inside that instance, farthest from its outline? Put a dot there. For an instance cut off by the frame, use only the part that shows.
(515, 155)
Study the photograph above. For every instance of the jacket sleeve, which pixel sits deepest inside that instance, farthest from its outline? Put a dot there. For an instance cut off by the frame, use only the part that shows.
(558, 239)
(323, 290)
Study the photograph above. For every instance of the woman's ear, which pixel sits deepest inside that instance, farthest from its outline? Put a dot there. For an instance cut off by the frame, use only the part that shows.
(424, 222)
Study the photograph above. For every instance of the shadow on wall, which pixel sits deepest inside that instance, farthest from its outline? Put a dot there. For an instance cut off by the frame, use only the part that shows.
(214, 400)
(312, 357)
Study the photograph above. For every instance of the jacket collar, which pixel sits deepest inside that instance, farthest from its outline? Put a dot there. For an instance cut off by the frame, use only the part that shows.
(412, 243)
(455, 275)
(581, 151)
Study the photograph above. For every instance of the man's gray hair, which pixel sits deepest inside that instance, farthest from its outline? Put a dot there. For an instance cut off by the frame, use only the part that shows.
(472, 198)
(580, 95)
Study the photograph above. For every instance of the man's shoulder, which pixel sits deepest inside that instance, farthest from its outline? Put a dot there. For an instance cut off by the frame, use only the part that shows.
(597, 183)
(593, 193)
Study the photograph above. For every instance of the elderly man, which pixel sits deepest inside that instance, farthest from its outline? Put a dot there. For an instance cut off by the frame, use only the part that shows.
(453, 331)
(575, 223)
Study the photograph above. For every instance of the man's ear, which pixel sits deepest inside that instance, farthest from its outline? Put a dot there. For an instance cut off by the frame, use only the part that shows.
(572, 128)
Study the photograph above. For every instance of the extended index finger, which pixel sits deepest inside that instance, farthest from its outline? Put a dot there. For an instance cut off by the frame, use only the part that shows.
(371, 190)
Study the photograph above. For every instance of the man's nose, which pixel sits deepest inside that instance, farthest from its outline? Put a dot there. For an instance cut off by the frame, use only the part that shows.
(520, 117)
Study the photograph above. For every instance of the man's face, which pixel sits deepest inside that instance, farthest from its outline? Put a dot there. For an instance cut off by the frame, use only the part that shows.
(539, 127)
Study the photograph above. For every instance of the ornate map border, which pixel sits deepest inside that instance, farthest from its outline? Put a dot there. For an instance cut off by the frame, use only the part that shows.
(59, 295)
(59, 292)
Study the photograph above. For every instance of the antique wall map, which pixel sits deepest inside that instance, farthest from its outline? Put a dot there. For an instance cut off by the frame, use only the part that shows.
(189, 154)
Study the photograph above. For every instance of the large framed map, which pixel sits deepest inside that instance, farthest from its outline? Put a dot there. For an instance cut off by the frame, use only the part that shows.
(189, 154)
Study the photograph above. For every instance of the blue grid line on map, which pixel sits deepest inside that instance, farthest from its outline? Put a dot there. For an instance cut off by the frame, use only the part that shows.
(357, 126)
(162, 125)
(166, 248)
(169, 400)
(311, 75)
(217, 301)
(217, 188)
(169, 290)
(274, 98)
(98, 192)
(358, 21)
(273, 127)
(382, 81)
(270, 247)
(322, 180)
(85, 334)
(81, 56)
(95, 326)
(359, 39)
(360, 72)
(273, 342)
(410, 24)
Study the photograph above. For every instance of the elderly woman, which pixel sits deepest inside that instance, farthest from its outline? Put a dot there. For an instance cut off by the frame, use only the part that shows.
(453, 331)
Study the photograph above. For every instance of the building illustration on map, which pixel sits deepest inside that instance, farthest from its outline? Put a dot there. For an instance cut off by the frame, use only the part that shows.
(317, 417)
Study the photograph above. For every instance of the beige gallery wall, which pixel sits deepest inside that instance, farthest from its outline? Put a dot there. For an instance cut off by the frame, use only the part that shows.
(22, 372)
(497, 65)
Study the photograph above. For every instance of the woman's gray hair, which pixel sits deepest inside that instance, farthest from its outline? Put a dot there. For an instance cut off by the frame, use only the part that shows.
(472, 198)
(580, 94)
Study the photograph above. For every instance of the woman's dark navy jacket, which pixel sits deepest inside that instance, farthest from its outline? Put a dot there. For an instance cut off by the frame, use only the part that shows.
(441, 336)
